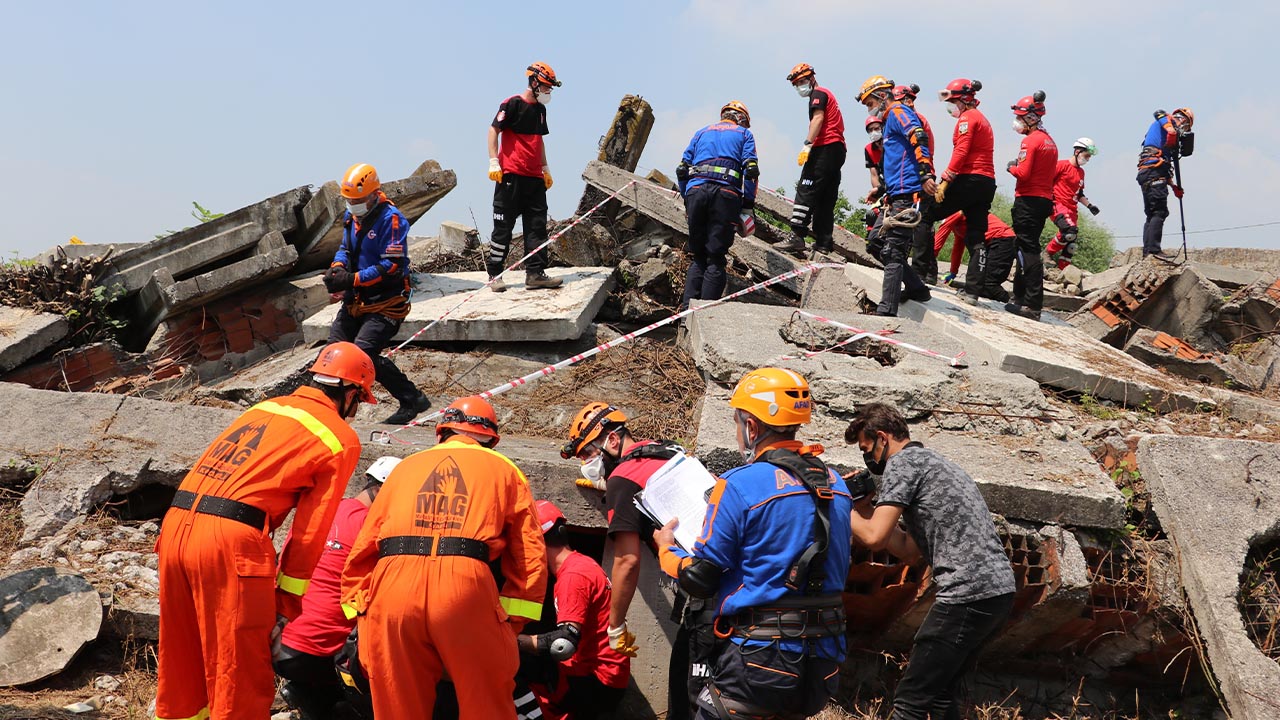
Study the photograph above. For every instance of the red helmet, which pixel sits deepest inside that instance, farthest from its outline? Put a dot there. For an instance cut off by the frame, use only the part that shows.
(872, 120)
(345, 363)
(960, 89)
(1030, 105)
(548, 515)
(906, 91)
(473, 414)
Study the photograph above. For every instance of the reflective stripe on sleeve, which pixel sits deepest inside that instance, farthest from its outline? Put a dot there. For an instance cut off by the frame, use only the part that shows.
(292, 585)
(521, 608)
(349, 611)
(307, 420)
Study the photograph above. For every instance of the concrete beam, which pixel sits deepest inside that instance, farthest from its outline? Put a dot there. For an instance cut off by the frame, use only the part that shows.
(649, 199)
(621, 146)
(26, 333)
(847, 244)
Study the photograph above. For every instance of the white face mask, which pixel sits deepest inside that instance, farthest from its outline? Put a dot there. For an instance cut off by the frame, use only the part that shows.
(543, 98)
(954, 110)
(1082, 159)
(358, 209)
(875, 135)
(593, 469)
(1019, 126)
(804, 89)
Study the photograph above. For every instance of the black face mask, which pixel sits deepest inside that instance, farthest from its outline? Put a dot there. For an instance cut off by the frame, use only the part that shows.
(876, 467)
(608, 462)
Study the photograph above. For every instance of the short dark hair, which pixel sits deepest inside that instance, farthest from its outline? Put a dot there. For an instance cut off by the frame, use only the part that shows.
(877, 417)
(557, 536)
(336, 393)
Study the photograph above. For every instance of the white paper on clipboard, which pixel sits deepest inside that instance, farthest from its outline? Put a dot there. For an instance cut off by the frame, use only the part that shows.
(678, 489)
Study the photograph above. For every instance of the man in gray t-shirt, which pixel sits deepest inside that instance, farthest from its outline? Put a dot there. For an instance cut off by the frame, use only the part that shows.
(949, 526)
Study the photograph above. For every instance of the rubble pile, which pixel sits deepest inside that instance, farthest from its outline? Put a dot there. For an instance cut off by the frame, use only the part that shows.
(1127, 444)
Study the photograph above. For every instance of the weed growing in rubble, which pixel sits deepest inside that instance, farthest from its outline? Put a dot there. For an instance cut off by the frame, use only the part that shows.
(16, 262)
(1090, 405)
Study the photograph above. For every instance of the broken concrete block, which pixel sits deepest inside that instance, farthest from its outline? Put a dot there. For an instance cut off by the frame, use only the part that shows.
(1103, 280)
(829, 289)
(1050, 352)
(1053, 586)
(765, 262)
(1216, 498)
(586, 244)
(1260, 260)
(455, 238)
(279, 374)
(514, 315)
(49, 616)
(25, 334)
(1250, 313)
(848, 245)
(621, 146)
(649, 199)
(1160, 349)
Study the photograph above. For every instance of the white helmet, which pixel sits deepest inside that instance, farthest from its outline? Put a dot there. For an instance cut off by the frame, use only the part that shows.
(381, 468)
(1087, 145)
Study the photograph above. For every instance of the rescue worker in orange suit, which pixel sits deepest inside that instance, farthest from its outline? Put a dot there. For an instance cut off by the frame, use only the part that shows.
(717, 177)
(908, 174)
(419, 575)
(371, 270)
(310, 643)
(1168, 138)
(224, 599)
(593, 676)
(820, 159)
(923, 261)
(998, 234)
(969, 182)
(518, 167)
(774, 553)
(1034, 169)
(1068, 190)
(615, 461)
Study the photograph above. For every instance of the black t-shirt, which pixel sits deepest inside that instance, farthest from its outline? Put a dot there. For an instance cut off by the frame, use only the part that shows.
(522, 126)
(621, 487)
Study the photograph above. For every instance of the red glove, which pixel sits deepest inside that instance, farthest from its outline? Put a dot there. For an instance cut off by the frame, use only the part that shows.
(1177, 191)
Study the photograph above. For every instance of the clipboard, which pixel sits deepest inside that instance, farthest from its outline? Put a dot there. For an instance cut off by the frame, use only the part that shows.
(679, 489)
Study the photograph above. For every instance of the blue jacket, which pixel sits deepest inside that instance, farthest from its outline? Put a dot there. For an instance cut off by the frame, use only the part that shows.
(759, 520)
(374, 247)
(907, 159)
(729, 147)
(1161, 135)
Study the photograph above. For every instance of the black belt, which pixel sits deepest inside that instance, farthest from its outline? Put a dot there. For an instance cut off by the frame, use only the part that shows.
(221, 507)
(423, 545)
(791, 623)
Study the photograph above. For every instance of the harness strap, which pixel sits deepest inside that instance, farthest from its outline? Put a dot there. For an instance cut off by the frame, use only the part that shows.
(808, 573)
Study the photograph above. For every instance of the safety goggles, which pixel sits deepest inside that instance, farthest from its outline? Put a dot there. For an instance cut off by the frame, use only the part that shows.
(454, 415)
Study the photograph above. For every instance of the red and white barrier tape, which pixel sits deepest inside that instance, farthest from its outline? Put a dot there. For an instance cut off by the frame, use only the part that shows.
(952, 361)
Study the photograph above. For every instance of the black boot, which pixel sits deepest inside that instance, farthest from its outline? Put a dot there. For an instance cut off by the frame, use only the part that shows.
(410, 410)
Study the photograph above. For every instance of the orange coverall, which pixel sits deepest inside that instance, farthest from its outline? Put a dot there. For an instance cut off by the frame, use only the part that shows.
(424, 617)
(220, 589)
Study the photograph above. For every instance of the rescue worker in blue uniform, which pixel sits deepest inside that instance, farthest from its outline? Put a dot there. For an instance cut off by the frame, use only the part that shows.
(908, 171)
(1168, 138)
(774, 554)
(717, 177)
(371, 270)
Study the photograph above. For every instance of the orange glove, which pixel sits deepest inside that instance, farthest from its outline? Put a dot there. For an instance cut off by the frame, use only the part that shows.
(546, 177)
(495, 170)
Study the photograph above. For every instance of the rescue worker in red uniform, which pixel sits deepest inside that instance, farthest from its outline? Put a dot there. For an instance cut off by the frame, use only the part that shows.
(593, 676)
(371, 270)
(873, 157)
(224, 598)
(820, 160)
(997, 234)
(600, 439)
(1034, 169)
(969, 182)
(923, 260)
(419, 574)
(1068, 189)
(518, 166)
(310, 643)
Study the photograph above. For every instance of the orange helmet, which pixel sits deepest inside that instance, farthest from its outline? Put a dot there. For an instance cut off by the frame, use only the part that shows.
(548, 515)
(344, 362)
(738, 107)
(473, 414)
(541, 73)
(773, 395)
(1186, 113)
(360, 180)
(875, 83)
(591, 421)
(800, 72)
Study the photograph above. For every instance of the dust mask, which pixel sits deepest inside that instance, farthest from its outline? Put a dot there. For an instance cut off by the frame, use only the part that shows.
(1019, 126)
(1082, 160)
(804, 89)
(358, 209)
(954, 110)
(593, 469)
(875, 135)
(543, 98)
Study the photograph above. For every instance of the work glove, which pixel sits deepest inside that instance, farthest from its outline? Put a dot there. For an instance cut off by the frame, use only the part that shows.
(746, 223)
(942, 191)
(338, 279)
(495, 170)
(803, 157)
(623, 641)
(590, 484)
(946, 279)
(546, 176)
(1010, 165)
(1093, 209)
(1177, 191)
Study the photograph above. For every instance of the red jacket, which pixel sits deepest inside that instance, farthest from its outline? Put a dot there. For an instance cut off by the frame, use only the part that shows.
(933, 147)
(973, 147)
(1068, 185)
(322, 628)
(1036, 166)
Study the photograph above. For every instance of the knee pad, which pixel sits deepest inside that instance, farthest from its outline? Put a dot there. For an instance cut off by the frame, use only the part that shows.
(1070, 250)
(1062, 222)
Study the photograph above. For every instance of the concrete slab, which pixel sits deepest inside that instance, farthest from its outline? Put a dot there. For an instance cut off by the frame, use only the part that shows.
(1160, 349)
(48, 617)
(26, 333)
(651, 200)
(1050, 352)
(828, 289)
(847, 244)
(517, 314)
(766, 262)
(1024, 468)
(1104, 279)
(1256, 259)
(1216, 497)
(280, 374)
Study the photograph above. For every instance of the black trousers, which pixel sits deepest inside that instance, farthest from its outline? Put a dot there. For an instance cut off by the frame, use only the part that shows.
(588, 698)
(1155, 203)
(1029, 217)
(712, 210)
(817, 193)
(372, 333)
(769, 682)
(518, 196)
(923, 260)
(692, 656)
(971, 195)
(313, 687)
(897, 272)
(946, 646)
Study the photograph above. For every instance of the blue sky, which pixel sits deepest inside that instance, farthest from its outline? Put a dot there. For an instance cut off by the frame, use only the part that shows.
(119, 114)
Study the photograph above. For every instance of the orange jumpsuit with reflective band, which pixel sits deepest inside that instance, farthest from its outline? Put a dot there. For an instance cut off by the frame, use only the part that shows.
(220, 587)
(425, 617)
